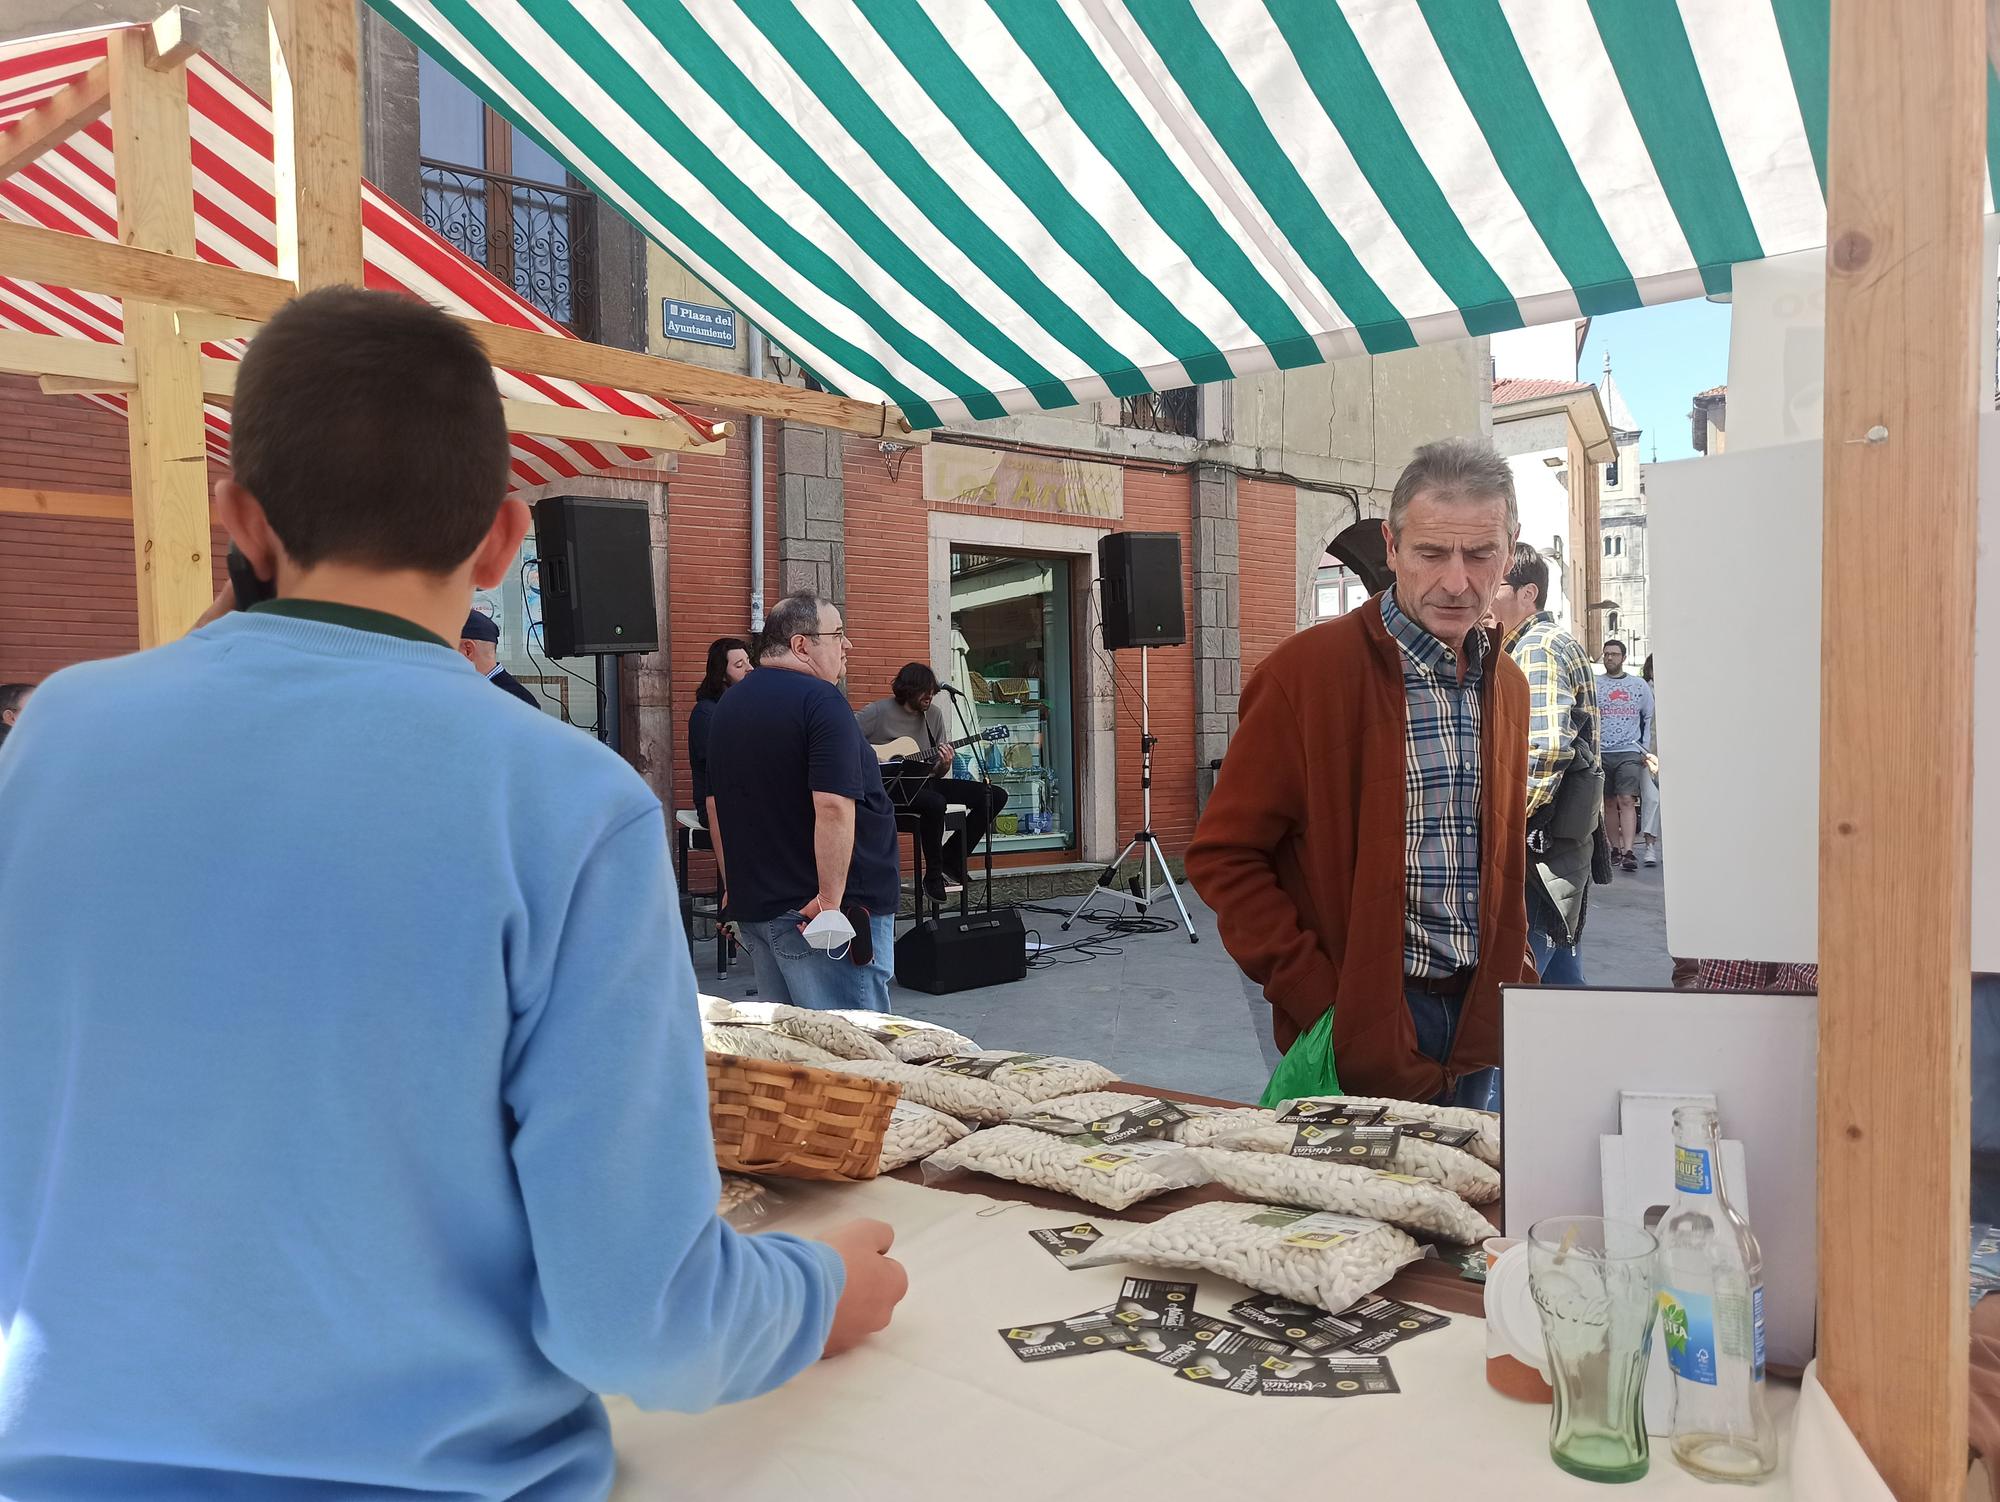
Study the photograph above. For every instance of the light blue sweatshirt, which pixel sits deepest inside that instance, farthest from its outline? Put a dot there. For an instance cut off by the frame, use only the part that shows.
(353, 1119)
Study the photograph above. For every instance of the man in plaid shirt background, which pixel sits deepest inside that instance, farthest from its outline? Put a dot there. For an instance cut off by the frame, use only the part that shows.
(1562, 734)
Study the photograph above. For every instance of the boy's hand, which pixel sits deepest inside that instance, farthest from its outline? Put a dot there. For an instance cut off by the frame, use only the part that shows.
(875, 1285)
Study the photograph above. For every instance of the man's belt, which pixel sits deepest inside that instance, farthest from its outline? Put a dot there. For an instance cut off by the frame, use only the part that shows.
(1451, 984)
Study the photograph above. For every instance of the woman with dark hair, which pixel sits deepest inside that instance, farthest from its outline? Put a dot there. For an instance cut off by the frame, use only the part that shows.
(926, 786)
(728, 662)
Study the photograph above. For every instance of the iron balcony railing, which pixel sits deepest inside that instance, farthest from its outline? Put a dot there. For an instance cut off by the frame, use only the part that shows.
(546, 250)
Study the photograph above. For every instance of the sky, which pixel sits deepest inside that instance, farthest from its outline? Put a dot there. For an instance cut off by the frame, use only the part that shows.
(1661, 356)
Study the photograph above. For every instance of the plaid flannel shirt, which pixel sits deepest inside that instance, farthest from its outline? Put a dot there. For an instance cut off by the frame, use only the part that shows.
(1562, 702)
(1440, 797)
(1756, 975)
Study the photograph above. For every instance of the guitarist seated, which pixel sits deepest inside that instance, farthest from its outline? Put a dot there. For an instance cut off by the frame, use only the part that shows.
(908, 732)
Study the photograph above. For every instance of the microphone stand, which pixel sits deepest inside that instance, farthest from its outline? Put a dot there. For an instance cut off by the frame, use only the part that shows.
(978, 748)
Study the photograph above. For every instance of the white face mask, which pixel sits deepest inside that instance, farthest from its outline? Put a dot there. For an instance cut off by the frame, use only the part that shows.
(830, 931)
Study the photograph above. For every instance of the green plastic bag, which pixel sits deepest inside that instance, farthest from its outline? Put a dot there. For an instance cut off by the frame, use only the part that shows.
(1307, 1067)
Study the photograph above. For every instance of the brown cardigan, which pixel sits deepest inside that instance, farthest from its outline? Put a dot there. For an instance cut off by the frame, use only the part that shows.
(1300, 852)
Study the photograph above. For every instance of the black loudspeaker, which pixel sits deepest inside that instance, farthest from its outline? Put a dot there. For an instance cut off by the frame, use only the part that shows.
(1141, 577)
(596, 560)
(955, 954)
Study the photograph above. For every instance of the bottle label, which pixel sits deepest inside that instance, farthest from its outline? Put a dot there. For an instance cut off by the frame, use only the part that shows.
(1691, 1175)
(1687, 1322)
(1757, 1320)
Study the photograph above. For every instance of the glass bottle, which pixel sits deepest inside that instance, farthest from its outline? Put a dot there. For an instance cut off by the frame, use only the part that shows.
(1711, 1277)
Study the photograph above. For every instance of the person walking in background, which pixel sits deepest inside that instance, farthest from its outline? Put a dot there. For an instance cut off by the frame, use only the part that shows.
(913, 713)
(1365, 847)
(13, 699)
(1565, 782)
(801, 823)
(728, 663)
(1649, 791)
(1625, 717)
(479, 644)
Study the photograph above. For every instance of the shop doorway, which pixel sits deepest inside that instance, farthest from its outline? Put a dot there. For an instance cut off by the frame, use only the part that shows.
(1011, 635)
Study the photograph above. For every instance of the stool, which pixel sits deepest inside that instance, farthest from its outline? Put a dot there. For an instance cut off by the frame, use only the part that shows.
(955, 815)
(690, 836)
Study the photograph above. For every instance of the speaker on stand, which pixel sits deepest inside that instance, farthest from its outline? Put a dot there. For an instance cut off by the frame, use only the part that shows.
(1140, 577)
(596, 561)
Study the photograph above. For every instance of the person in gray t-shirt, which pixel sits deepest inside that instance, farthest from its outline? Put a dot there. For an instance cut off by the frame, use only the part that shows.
(922, 782)
(1625, 717)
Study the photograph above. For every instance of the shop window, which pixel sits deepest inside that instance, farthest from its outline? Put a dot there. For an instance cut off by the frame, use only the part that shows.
(480, 172)
(1338, 589)
(1010, 655)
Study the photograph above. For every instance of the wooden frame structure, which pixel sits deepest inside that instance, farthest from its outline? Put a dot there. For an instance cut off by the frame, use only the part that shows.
(1906, 151)
(174, 302)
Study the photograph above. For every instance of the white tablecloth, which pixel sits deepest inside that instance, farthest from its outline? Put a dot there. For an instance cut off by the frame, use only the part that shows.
(937, 1406)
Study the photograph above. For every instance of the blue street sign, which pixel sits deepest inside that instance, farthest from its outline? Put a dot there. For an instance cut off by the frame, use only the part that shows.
(698, 323)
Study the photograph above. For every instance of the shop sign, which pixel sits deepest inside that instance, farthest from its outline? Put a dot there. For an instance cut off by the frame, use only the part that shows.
(1022, 482)
(698, 323)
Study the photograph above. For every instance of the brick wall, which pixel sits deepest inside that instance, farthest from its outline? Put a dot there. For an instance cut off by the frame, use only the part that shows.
(68, 585)
(1267, 541)
(888, 567)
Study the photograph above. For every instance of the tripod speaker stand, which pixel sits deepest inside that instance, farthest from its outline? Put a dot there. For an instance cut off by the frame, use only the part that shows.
(1144, 841)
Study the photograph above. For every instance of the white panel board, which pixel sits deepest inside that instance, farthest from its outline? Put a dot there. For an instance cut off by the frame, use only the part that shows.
(1734, 550)
(1567, 1055)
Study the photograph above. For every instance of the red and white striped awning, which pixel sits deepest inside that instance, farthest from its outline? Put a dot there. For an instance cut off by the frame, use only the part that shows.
(72, 188)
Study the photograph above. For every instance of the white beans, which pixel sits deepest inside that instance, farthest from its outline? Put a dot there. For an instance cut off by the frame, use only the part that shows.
(741, 1198)
(1113, 1177)
(1485, 1147)
(1311, 1257)
(763, 1043)
(1010, 1088)
(1448, 1167)
(916, 1132)
(908, 1039)
(1274, 1179)
(830, 1031)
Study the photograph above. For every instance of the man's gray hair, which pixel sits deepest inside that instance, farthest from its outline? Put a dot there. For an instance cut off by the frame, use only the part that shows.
(795, 615)
(1454, 469)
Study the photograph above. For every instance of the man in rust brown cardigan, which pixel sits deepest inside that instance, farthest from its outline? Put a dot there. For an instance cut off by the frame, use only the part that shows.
(1365, 846)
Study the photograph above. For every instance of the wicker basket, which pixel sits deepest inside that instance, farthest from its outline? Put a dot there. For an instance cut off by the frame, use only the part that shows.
(796, 1122)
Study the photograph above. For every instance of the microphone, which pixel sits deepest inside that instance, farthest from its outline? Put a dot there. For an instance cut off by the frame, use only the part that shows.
(946, 688)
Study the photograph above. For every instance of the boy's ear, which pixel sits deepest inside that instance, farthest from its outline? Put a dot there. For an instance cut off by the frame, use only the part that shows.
(494, 559)
(243, 518)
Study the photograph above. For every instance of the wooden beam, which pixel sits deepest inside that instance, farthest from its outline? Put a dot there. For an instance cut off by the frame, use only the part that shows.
(316, 141)
(551, 355)
(107, 365)
(551, 421)
(213, 328)
(33, 253)
(1906, 156)
(55, 120)
(166, 435)
(15, 501)
(88, 265)
(172, 37)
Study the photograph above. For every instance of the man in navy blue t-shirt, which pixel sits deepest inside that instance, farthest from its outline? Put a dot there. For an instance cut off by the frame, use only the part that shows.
(802, 824)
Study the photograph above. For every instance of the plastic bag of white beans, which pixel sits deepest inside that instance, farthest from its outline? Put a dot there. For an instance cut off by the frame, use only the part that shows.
(830, 1031)
(916, 1132)
(763, 1043)
(999, 1083)
(1484, 1125)
(1309, 1256)
(1448, 1167)
(908, 1039)
(1275, 1179)
(1113, 1177)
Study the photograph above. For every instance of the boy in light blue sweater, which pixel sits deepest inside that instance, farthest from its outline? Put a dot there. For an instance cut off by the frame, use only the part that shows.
(353, 1121)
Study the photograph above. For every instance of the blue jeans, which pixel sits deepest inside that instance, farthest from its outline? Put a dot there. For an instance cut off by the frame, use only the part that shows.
(790, 970)
(1436, 1020)
(1557, 966)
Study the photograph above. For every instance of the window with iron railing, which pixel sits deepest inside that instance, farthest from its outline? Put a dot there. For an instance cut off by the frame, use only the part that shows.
(1160, 411)
(495, 195)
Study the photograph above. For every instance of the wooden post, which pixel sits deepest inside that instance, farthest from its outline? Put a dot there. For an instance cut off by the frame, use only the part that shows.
(168, 441)
(316, 141)
(1906, 153)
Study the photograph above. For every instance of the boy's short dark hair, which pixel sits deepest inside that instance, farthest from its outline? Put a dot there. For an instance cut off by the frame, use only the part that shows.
(1610, 642)
(1530, 567)
(368, 426)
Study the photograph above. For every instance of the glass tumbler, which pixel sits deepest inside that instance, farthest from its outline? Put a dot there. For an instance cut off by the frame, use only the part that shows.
(1592, 1281)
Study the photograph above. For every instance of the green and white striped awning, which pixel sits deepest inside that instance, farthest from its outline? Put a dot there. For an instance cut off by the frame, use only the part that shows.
(972, 207)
